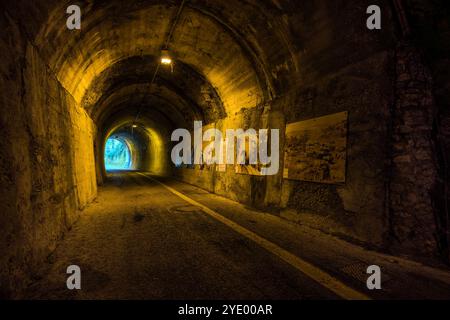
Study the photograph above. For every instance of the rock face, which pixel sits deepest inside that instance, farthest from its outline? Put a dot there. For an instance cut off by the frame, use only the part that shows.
(238, 64)
(414, 164)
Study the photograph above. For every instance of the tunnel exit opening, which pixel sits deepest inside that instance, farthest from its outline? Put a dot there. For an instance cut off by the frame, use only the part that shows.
(117, 155)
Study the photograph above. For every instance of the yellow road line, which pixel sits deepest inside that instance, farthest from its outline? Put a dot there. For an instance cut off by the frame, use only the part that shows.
(308, 269)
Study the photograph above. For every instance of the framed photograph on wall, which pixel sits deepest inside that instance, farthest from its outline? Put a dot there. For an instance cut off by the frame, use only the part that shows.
(316, 149)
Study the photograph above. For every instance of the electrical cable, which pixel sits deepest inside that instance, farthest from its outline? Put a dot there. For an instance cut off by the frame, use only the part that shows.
(166, 46)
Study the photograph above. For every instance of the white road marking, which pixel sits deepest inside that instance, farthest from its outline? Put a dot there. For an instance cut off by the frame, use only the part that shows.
(320, 276)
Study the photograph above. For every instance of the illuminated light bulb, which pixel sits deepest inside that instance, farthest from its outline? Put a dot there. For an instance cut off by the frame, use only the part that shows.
(165, 58)
(166, 61)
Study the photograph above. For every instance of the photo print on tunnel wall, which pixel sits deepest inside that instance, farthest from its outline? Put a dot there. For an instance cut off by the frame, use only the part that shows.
(192, 164)
(205, 161)
(253, 169)
(222, 167)
(316, 149)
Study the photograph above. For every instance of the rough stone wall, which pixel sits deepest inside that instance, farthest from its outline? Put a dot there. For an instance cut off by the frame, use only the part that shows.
(355, 208)
(239, 187)
(430, 33)
(328, 76)
(202, 178)
(334, 77)
(414, 171)
(82, 151)
(47, 164)
(387, 200)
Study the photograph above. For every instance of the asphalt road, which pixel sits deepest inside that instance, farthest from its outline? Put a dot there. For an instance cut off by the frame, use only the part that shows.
(140, 241)
(162, 239)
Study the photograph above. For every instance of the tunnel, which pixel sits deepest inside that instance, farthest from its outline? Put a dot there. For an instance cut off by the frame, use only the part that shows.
(117, 155)
(357, 119)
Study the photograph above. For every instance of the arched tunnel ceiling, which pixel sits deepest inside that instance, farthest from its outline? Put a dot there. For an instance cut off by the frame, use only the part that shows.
(129, 79)
(213, 40)
(139, 98)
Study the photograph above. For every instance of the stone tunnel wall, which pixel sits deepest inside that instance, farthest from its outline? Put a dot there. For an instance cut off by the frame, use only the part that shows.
(46, 161)
(355, 209)
(431, 29)
(329, 76)
(381, 203)
(390, 173)
(414, 163)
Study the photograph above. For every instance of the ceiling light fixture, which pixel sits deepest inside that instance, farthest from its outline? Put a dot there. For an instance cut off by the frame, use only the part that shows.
(165, 58)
